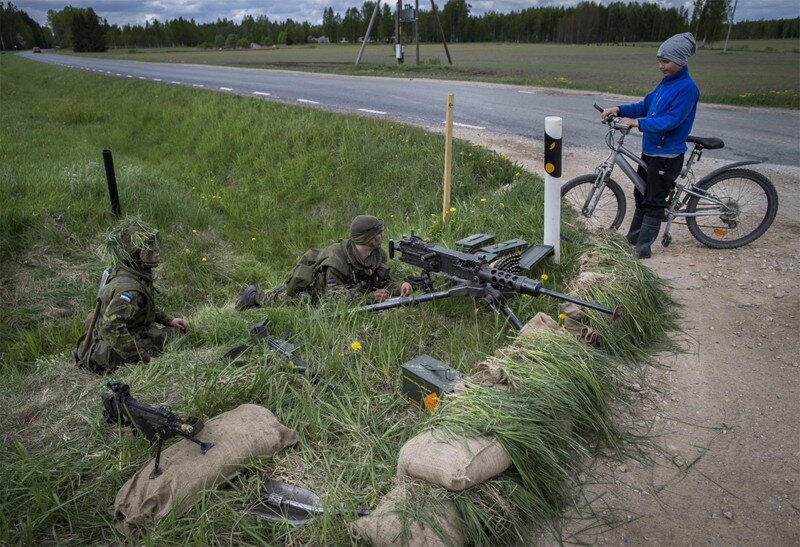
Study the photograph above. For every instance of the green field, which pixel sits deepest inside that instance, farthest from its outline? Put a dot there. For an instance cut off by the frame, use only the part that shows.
(240, 187)
(751, 76)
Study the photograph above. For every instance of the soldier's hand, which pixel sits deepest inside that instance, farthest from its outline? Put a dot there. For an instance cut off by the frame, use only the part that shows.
(180, 323)
(379, 295)
(611, 111)
(406, 289)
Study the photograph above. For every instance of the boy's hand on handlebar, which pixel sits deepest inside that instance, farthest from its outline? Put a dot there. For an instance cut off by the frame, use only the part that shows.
(630, 122)
(610, 111)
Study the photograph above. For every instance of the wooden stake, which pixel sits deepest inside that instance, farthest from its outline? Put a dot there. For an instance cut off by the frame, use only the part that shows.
(448, 157)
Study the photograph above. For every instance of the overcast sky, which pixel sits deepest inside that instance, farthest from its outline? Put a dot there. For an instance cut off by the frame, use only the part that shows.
(138, 11)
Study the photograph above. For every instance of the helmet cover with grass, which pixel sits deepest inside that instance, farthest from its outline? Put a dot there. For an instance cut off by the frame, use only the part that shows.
(134, 243)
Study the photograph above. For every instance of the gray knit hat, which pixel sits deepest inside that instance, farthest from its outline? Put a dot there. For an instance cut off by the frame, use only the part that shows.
(678, 48)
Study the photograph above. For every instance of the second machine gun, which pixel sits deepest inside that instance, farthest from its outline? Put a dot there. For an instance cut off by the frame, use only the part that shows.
(156, 424)
(476, 274)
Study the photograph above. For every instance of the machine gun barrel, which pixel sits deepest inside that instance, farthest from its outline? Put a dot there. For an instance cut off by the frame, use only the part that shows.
(526, 285)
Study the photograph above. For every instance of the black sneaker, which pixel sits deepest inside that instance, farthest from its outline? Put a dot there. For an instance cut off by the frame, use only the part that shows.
(248, 298)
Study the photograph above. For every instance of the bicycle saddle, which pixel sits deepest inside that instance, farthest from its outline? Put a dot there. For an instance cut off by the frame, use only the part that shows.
(711, 143)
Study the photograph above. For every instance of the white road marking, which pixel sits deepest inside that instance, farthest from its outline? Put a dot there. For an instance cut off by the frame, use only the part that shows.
(117, 74)
(371, 111)
(306, 101)
(174, 82)
(225, 89)
(128, 76)
(528, 92)
(468, 126)
(198, 85)
(156, 79)
(261, 93)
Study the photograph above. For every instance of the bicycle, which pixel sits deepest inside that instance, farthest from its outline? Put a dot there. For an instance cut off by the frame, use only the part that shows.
(736, 205)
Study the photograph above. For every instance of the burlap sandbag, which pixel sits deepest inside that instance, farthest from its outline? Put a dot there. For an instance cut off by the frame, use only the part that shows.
(452, 463)
(239, 435)
(575, 323)
(387, 526)
(541, 321)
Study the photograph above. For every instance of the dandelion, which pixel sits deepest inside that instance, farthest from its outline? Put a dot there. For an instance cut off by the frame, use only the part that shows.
(452, 209)
(483, 200)
(204, 259)
(562, 316)
(516, 174)
(502, 205)
(544, 277)
(252, 239)
(355, 345)
(194, 231)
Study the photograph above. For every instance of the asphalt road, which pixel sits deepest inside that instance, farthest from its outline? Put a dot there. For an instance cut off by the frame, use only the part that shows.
(515, 110)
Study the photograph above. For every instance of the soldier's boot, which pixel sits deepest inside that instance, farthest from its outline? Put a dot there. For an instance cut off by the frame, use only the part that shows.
(248, 298)
(647, 236)
(636, 226)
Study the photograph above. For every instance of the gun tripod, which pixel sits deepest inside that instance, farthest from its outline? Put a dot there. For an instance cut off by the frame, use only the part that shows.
(490, 294)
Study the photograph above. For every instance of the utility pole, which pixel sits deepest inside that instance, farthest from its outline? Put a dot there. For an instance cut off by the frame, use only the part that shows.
(416, 27)
(730, 23)
(398, 45)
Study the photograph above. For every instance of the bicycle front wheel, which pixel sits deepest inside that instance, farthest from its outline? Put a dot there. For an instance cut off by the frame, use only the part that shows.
(744, 203)
(609, 210)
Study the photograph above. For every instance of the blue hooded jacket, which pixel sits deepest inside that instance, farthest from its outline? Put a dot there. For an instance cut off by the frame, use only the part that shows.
(666, 114)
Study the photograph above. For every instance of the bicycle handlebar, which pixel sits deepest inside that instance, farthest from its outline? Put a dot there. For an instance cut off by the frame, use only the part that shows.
(612, 121)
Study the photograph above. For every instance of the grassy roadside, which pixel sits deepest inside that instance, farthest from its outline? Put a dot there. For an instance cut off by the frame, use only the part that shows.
(238, 188)
(752, 74)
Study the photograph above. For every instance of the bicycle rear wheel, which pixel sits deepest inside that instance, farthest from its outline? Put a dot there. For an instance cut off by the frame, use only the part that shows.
(749, 203)
(610, 208)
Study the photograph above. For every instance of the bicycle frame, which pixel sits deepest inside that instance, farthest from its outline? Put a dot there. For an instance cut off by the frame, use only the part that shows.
(680, 195)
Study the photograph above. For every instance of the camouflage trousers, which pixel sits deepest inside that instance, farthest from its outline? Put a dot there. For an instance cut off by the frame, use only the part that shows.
(278, 296)
(101, 358)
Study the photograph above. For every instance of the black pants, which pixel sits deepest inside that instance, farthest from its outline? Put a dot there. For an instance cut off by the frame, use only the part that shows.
(659, 180)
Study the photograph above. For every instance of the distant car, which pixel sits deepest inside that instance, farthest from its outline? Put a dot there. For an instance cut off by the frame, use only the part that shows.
(37, 49)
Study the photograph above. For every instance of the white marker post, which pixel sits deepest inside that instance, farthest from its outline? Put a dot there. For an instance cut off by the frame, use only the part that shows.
(552, 185)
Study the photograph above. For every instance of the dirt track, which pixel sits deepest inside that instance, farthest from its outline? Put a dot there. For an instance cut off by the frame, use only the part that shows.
(723, 417)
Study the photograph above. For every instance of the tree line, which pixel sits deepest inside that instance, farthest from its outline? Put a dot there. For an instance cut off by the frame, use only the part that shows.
(588, 22)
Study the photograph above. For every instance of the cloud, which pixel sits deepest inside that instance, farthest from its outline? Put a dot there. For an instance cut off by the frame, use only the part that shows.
(123, 12)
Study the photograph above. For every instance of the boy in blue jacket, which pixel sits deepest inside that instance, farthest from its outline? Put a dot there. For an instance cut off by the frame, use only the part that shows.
(665, 116)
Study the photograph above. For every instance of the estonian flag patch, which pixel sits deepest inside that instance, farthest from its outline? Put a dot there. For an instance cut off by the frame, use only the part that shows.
(126, 296)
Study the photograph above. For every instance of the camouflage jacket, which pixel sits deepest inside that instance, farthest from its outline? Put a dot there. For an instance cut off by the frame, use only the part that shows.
(340, 270)
(127, 309)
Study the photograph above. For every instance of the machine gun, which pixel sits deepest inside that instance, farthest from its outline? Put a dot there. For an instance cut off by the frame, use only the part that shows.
(259, 333)
(156, 424)
(478, 274)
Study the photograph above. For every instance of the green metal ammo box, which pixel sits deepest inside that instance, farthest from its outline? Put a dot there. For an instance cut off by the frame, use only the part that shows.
(426, 380)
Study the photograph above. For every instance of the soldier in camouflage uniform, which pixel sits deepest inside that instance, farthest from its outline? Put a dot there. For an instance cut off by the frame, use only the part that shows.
(129, 327)
(349, 268)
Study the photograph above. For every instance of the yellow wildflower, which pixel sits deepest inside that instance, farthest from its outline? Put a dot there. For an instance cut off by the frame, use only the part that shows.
(483, 199)
(544, 277)
(355, 345)
(204, 259)
(562, 316)
(452, 209)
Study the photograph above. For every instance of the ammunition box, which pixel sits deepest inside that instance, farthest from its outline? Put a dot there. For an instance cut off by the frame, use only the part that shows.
(506, 247)
(472, 243)
(426, 380)
(533, 255)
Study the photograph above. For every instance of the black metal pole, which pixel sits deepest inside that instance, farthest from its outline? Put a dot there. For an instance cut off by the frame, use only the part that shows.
(111, 179)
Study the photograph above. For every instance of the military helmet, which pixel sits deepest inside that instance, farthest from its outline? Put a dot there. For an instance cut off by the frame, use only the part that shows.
(364, 228)
(125, 241)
